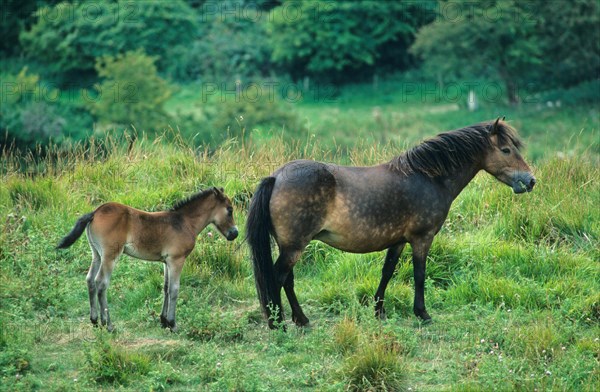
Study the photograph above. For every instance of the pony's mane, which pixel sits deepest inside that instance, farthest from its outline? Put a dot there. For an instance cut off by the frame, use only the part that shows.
(195, 197)
(449, 151)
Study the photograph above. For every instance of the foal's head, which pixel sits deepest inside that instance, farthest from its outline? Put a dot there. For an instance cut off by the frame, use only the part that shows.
(222, 215)
(504, 160)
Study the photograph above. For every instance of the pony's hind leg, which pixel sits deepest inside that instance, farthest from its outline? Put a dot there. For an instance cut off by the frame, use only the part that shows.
(91, 284)
(175, 266)
(165, 307)
(102, 282)
(298, 316)
(282, 270)
(391, 260)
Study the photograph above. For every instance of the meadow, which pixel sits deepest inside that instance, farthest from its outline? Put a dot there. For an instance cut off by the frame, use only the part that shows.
(513, 281)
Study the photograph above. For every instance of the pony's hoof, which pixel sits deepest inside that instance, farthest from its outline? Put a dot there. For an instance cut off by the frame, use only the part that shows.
(173, 328)
(301, 321)
(94, 321)
(110, 328)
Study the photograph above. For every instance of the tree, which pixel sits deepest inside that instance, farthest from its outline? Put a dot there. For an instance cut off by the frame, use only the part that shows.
(518, 42)
(334, 39)
(131, 92)
(70, 36)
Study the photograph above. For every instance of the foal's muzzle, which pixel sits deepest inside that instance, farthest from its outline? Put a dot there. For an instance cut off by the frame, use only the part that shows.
(523, 182)
(231, 234)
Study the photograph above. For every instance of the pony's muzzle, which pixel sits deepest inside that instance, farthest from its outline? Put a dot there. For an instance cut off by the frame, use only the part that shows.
(232, 233)
(523, 182)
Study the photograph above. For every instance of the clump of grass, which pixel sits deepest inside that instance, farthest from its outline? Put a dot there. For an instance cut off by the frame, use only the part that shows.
(538, 342)
(208, 323)
(375, 366)
(110, 364)
(345, 336)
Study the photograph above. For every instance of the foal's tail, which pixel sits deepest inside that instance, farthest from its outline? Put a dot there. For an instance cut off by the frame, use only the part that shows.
(80, 226)
(259, 228)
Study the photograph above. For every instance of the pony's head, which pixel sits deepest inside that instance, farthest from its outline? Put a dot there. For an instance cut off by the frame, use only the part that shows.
(222, 216)
(504, 160)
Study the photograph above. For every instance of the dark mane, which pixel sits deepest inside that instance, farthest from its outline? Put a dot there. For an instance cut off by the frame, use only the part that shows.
(449, 151)
(195, 197)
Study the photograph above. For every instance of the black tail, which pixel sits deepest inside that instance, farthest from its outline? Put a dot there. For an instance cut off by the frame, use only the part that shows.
(259, 228)
(76, 232)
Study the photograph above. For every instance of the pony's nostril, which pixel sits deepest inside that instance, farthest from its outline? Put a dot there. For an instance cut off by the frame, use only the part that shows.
(532, 182)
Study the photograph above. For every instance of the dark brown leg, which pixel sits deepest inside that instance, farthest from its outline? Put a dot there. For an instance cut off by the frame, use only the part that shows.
(298, 316)
(420, 250)
(283, 267)
(391, 260)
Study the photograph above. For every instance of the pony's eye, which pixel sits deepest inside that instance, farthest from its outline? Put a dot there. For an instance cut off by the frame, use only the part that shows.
(506, 151)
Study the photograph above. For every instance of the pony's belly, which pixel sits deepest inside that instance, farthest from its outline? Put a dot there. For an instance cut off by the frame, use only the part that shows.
(131, 250)
(356, 244)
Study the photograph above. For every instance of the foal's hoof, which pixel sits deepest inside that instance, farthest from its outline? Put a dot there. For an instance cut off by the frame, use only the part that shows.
(94, 321)
(380, 314)
(163, 322)
(173, 328)
(110, 328)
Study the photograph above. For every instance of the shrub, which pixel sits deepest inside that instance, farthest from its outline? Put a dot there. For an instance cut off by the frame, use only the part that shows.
(131, 93)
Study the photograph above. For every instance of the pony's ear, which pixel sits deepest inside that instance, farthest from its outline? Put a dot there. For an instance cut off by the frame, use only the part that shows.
(494, 129)
(218, 192)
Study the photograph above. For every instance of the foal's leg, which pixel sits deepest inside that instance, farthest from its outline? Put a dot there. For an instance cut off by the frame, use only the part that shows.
(102, 282)
(420, 250)
(298, 316)
(165, 307)
(391, 260)
(283, 267)
(91, 284)
(175, 265)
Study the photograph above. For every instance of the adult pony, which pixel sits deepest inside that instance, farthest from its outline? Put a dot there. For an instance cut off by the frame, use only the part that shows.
(368, 209)
(167, 236)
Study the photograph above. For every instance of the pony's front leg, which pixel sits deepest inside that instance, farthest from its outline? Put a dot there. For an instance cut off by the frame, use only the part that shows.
(174, 265)
(420, 250)
(391, 260)
(91, 284)
(165, 307)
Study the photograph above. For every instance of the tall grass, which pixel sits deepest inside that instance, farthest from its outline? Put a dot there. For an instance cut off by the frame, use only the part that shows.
(519, 270)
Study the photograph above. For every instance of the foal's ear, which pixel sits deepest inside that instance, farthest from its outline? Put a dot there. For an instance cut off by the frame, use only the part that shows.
(494, 129)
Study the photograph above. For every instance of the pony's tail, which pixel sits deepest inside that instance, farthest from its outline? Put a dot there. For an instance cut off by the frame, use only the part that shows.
(80, 226)
(259, 228)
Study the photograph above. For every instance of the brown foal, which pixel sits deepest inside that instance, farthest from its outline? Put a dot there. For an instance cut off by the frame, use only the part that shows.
(166, 236)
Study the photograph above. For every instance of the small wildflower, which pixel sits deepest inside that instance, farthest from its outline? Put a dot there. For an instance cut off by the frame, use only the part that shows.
(218, 365)
(209, 234)
(482, 341)
(548, 373)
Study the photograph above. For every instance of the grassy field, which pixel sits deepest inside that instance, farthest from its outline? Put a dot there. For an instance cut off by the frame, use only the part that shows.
(513, 280)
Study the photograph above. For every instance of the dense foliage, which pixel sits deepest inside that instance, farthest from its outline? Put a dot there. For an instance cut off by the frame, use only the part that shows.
(536, 50)
(529, 46)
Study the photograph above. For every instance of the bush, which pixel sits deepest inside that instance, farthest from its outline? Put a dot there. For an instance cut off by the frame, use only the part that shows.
(131, 93)
(237, 118)
(33, 115)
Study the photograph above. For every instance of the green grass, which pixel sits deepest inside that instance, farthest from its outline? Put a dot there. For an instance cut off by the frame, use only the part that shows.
(513, 280)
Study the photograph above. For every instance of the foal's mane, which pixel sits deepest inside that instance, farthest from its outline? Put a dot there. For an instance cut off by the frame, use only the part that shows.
(195, 197)
(445, 153)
